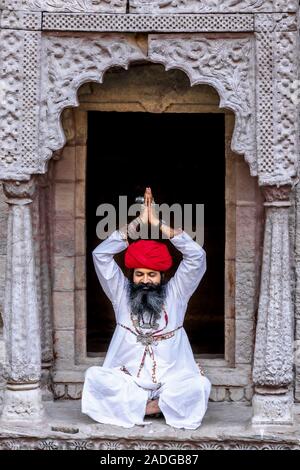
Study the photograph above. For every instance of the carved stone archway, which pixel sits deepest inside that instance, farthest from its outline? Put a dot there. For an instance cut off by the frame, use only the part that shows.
(227, 64)
(250, 58)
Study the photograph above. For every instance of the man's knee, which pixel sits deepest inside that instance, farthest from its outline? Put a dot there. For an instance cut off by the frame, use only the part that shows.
(189, 386)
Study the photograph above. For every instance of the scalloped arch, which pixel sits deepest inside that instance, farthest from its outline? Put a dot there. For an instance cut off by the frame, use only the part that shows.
(226, 64)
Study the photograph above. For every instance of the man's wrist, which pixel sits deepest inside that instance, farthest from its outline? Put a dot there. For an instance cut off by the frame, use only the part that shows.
(162, 223)
(124, 233)
(132, 227)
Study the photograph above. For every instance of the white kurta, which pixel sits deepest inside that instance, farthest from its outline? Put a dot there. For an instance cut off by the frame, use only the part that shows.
(113, 397)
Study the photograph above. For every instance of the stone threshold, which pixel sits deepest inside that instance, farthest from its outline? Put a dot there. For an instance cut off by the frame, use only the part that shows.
(225, 426)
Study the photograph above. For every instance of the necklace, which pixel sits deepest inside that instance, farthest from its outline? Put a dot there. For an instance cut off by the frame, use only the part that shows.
(140, 322)
(148, 339)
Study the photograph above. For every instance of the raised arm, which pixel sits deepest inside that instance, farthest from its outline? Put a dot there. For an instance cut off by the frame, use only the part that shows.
(109, 273)
(191, 268)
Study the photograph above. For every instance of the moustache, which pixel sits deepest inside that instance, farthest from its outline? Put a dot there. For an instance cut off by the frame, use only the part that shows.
(149, 286)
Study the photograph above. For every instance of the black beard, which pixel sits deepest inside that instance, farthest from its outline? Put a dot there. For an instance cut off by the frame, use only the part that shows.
(146, 302)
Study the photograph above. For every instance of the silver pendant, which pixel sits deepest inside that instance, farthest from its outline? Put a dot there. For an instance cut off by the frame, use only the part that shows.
(146, 340)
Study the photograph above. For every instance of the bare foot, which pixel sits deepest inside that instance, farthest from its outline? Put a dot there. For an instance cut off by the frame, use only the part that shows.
(152, 407)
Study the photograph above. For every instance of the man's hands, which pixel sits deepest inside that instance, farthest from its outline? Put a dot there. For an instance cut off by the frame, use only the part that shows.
(148, 213)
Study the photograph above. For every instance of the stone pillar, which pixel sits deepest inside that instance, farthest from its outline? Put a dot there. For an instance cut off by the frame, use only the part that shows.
(273, 357)
(22, 399)
(41, 236)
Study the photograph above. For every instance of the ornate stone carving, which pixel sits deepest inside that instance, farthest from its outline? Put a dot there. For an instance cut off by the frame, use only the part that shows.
(67, 63)
(21, 370)
(139, 444)
(272, 409)
(227, 64)
(264, 105)
(286, 108)
(21, 319)
(22, 405)
(83, 6)
(234, 78)
(11, 88)
(30, 131)
(210, 6)
(273, 349)
(19, 192)
(276, 22)
(20, 82)
(21, 324)
(273, 357)
(152, 6)
(153, 23)
(31, 103)
(276, 193)
(277, 119)
(21, 20)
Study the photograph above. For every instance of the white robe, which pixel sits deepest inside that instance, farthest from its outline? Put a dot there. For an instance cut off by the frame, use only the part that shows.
(113, 397)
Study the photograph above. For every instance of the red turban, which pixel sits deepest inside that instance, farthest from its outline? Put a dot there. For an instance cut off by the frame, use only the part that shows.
(148, 254)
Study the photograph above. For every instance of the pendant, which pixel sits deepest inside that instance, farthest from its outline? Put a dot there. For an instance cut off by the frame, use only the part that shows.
(146, 340)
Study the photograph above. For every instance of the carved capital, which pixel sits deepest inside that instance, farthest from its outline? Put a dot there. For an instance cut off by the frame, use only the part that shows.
(22, 371)
(275, 194)
(19, 192)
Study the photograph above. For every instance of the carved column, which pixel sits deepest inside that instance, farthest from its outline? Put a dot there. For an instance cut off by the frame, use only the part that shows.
(41, 235)
(273, 357)
(22, 399)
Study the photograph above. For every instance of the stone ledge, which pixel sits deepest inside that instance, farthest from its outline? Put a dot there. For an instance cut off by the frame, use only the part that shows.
(225, 426)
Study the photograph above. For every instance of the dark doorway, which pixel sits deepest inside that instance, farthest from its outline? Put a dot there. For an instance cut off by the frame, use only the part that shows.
(181, 156)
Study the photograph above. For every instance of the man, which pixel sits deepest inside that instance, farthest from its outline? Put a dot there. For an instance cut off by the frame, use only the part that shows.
(149, 366)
